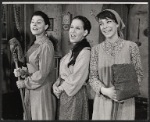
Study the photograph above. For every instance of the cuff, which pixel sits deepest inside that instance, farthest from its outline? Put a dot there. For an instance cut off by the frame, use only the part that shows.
(60, 88)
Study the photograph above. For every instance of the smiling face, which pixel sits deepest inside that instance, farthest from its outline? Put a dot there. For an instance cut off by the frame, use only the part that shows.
(76, 31)
(108, 28)
(37, 25)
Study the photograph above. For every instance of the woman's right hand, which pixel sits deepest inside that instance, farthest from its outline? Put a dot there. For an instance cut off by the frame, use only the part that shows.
(109, 92)
(20, 84)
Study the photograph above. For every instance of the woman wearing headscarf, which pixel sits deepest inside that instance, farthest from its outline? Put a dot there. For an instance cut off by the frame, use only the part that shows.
(113, 50)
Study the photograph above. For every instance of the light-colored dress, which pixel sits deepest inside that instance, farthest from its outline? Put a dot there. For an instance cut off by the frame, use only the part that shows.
(40, 64)
(103, 56)
(73, 104)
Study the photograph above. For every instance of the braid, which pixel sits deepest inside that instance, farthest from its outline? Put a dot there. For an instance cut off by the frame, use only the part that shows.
(77, 49)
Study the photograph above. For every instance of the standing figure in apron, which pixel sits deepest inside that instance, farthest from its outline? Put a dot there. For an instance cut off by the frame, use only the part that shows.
(113, 50)
(70, 87)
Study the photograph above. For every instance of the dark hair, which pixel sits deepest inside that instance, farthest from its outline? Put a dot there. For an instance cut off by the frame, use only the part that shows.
(86, 22)
(83, 43)
(43, 15)
(106, 14)
(77, 49)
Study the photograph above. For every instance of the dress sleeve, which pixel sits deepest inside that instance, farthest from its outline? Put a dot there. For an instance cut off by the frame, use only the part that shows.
(136, 60)
(57, 82)
(94, 81)
(46, 60)
(73, 83)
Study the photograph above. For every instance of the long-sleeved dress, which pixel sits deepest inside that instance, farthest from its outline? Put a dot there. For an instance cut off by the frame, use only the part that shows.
(103, 56)
(38, 94)
(73, 101)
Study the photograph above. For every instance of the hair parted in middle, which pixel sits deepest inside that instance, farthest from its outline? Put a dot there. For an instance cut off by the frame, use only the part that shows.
(86, 22)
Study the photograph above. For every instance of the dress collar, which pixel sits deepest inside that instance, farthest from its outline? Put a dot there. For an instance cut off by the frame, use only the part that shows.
(113, 48)
(116, 43)
(40, 40)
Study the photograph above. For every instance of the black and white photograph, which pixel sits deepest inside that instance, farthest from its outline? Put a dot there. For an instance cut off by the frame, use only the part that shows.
(74, 60)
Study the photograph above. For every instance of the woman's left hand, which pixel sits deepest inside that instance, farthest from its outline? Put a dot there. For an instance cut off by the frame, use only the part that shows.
(56, 91)
(20, 84)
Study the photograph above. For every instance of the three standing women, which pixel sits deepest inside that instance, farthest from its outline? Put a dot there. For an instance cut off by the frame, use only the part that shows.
(113, 50)
(74, 70)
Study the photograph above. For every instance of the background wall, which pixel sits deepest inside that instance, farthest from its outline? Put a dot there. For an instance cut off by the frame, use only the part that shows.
(138, 32)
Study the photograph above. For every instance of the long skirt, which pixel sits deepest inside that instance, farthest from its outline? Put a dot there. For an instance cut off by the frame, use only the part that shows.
(74, 107)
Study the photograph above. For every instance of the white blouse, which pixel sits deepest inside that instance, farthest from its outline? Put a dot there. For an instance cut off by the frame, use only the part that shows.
(75, 76)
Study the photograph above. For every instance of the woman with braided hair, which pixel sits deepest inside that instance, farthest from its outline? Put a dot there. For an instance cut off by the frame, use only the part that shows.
(70, 87)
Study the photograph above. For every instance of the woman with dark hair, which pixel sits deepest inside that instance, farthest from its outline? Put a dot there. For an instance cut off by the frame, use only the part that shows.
(113, 50)
(39, 100)
(74, 69)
